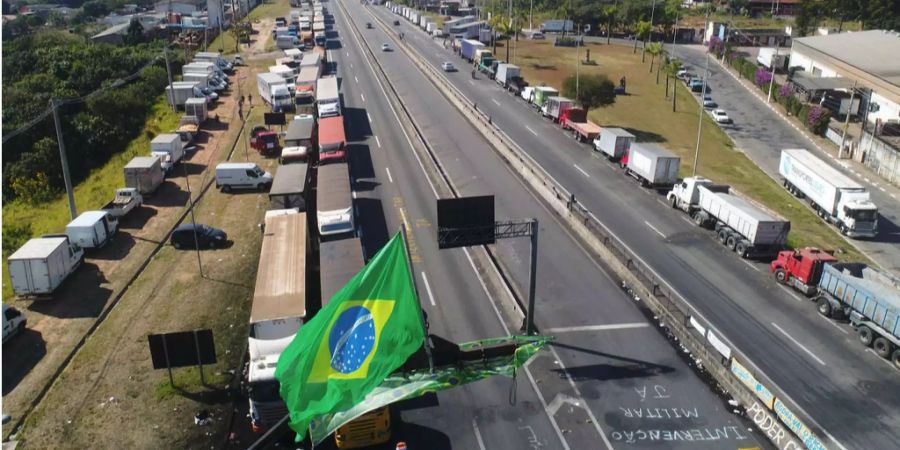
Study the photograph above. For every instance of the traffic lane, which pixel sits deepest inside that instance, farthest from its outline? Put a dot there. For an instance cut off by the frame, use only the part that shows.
(763, 134)
(448, 119)
(783, 342)
(457, 308)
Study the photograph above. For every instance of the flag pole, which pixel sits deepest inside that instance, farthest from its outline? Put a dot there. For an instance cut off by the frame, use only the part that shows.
(412, 276)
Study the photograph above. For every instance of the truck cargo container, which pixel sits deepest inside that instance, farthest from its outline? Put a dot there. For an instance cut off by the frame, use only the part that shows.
(277, 312)
(42, 264)
(768, 56)
(541, 94)
(470, 30)
(92, 229)
(301, 132)
(555, 106)
(285, 72)
(339, 261)
(334, 203)
(202, 79)
(328, 100)
(467, 48)
(613, 142)
(144, 173)
(306, 85)
(651, 164)
(739, 224)
(180, 91)
(205, 67)
(868, 297)
(312, 59)
(575, 119)
(274, 91)
(214, 57)
(169, 148)
(506, 73)
(332, 140)
(196, 107)
(294, 53)
(126, 199)
(290, 186)
(834, 196)
(289, 62)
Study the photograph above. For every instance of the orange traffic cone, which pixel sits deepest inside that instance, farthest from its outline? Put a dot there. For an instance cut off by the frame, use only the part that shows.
(400, 446)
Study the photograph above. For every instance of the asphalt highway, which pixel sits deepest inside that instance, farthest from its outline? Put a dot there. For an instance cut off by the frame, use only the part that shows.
(817, 363)
(610, 380)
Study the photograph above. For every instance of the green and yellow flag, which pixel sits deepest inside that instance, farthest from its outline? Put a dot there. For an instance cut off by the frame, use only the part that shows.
(368, 330)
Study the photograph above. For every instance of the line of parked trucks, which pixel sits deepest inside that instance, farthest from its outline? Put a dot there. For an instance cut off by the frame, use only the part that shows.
(866, 296)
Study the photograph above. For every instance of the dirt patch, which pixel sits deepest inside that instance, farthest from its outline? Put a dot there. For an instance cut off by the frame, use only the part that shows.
(261, 36)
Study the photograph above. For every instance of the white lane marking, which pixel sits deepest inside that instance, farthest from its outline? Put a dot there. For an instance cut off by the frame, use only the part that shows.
(612, 326)
(882, 189)
(354, 195)
(495, 101)
(654, 229)
(582, 171)
(357, 79)
(348, 54)
(428, 288)
(378, 141)
(750, 264)
(472, 82)
(529, 129)
(799, 344)
(363, 97)
(351, 65)
(880, 358)
(369, 116)
(478, 435)
(833, 439)
(688, 221)
(831, 322)
(790, 292)
(390, 178)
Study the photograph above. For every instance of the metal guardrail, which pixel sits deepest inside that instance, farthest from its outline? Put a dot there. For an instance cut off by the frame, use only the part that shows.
(677, 316)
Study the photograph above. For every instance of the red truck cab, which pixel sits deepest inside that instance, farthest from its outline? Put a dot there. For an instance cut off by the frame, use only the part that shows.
(572, 114)
(264, 141)
(332, 141)
(801, 268)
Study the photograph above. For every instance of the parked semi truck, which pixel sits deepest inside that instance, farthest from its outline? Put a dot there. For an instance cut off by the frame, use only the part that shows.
(651, 164)
(575, 119)
(833, 196)
(334, 204)
(613, 142)
(740, 225)
(277, 312)
(42, 264)
(868, 297)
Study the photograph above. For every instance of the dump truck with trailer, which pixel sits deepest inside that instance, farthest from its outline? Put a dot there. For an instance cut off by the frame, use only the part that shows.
(575, 119)
(834, 196)
(613, 142)
(739, 224)
(42, 264)
(651, 164)
(144, 173)
(278, 311)
(869, 298)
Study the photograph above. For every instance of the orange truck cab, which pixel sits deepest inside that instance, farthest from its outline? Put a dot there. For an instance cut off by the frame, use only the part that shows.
(801, 269)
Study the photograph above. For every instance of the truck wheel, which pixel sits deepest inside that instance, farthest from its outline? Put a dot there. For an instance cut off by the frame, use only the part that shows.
(781, 276)
(226, 189)
(866, 335)
(698, 219)
(843, 229)
(824, 307)
(895, 358)
(731, 242)
(741, 248)
(883, 347)
(176, 245)
(723, 236)
(674, 203)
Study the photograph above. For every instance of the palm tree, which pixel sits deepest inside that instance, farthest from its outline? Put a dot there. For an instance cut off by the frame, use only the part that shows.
(654, 49)
(508, 29)
(495, 22)
(641, 32)
(672, 69)
(610, 13)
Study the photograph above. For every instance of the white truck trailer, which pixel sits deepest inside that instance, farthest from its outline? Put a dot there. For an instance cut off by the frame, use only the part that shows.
(833, 196)
(739, 224)
(768, 56)
(92, 229)
(328, 100)
(278, 311)
(506, 73)
(180, 91)
(613, 142)
(651, 164)
(274, 91)
(42, 264)
(169, 148)
(286, 73)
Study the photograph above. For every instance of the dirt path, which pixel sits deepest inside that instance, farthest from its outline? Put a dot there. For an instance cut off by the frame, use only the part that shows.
(265, 27)
(55, 326)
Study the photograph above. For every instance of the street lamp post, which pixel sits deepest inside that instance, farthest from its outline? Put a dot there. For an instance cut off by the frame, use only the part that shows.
(700, 116)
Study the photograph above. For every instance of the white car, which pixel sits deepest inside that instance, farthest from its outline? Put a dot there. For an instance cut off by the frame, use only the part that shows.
(385, 47)
(708, 102)
(448, 66)
(720, 116)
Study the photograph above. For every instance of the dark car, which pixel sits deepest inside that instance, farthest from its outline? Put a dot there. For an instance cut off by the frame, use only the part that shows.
(396, 23)
(369, 25)
(207, 237)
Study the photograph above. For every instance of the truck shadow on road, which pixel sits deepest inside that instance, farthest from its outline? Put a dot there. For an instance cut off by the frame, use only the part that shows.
(82, 295)
(645, 136)
(189, 167)
(168, 195)
(137, 218)
(629, 367)
(20, 355)
(359, 126)
(372, 225)
(116, 249)
(888, 231)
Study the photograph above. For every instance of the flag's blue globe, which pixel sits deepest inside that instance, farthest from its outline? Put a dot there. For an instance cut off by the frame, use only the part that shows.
(351, 340)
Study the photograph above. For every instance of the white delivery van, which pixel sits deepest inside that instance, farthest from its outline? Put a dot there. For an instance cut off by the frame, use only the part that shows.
(242, 176)
(92, 229)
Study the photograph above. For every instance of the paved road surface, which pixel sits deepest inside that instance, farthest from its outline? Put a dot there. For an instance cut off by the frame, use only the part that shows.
(780, 333)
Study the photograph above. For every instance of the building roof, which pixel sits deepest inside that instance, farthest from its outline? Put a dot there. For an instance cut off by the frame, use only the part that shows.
(872, 52)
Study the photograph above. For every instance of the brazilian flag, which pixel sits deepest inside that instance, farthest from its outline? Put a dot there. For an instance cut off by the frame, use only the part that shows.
(368, 330)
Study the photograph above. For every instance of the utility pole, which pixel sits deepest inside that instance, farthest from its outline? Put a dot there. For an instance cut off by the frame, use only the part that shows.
(169, 73)
(772, 73)
(577, 64)
(847, 121)
(531, 17)
(67, 179)
(700, 116)
(532, 279)
(193, 222)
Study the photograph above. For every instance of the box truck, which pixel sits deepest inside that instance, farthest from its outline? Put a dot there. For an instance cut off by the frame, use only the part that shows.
(42, 264)
(334, 204)
(651, 164)
(768, 56)
(169, 148)
(834, 196)
(506, 73)
(196, 107)
(740, 225)
(180, 91)
(328, 101)
(555, 106)
(332, 140)
(613, 142)
(467, 48)
(274, 91)
(285, 72)
(144, 173)
(541, 94)
(306, 85)
(92, 229)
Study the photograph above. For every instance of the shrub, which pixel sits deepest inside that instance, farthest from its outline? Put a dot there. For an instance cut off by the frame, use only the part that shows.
(763, 78)
(785, 90)
(803, 114)
(817, 119)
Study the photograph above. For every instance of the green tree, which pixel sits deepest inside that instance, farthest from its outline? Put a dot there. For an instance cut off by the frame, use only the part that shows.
(590, 91)
(641, 32)
(672, 68)
(135, 33)
(609, 13)
(654, 49)
(95, 8)
(495, 21)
